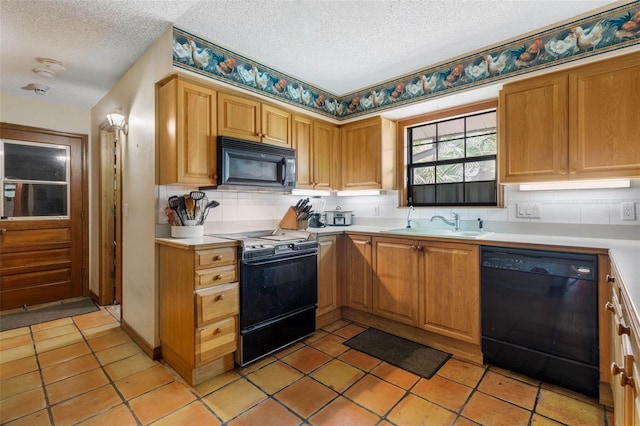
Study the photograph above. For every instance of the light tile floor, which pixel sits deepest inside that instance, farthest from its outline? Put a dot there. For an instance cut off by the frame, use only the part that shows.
(86, 370)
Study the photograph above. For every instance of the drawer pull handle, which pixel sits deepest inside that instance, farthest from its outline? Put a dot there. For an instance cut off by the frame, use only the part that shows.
(414, 248)
(420, 248)
(2, 231)
(217, 331)
(217, 277)
(219, 297)
(609, 307)
(611, 279)
(623, 329)
(615, 370)
(217, 257)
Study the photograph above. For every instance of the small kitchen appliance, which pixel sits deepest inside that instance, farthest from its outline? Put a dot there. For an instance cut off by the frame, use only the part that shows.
(339, 217)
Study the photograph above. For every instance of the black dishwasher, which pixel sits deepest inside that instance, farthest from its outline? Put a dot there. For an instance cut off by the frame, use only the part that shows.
(540, 315)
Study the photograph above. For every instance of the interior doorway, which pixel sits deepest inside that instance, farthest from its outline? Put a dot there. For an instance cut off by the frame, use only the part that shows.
(111, 216)
(44, 233)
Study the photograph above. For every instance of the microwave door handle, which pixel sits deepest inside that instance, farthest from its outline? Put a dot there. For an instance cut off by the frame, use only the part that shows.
(283, 170)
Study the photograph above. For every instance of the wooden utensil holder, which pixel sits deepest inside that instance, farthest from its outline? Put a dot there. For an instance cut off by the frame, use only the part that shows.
(290, 220)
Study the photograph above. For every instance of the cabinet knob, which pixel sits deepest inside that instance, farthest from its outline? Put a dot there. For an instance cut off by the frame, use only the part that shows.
(368, 242)
(219, 297)
(572, 171)
(219, 277)
(615, 369)
(562, 171)
(2, 231)
(609, 307)
(414, 247)
(623, 329)
(217, 331)
(611, 278)
(218, 257)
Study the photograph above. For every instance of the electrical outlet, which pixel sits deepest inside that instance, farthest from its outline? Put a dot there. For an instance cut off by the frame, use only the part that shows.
(628, 210)
(528, 210)
(376, 210)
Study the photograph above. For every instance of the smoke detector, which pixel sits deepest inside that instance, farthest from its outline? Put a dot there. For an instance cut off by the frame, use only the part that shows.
(44, 72)
(39, 89)
(52, 65)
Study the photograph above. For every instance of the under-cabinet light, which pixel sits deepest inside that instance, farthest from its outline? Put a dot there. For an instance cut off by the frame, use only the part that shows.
(357, 192)
(577, 184)
(311, 192)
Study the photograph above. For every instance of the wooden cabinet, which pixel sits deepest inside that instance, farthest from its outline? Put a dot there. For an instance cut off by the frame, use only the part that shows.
(328, 296)
(186, 133)
(450, 292)
(579, 123)
(432, 285)
(314, 144)
(367, 149)
(199, 304)
(249, 119)
(623, 352)
(358, 273)
(396, 263)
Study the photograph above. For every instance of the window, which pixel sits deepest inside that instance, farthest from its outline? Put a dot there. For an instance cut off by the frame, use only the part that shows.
(35, 179)
(453, 162)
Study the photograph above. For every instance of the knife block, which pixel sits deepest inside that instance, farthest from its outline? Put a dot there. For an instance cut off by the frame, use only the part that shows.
(290, 220)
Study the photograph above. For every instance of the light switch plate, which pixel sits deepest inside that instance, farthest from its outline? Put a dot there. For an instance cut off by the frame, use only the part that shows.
(628, 210)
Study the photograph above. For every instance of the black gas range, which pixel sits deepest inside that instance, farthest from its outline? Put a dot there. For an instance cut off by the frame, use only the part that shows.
(278, 290)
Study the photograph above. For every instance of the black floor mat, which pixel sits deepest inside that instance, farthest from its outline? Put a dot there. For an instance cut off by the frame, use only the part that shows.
(50, 313)
(414, 357)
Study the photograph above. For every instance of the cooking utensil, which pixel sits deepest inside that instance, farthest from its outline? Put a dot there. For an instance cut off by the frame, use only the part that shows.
(171, 215)
(197, 195)
(210, 205)
(189, 205)
(174, 204)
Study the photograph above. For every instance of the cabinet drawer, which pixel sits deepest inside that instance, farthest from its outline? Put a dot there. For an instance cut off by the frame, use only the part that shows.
(214, 276)
(215, 257)
(215, 340)
(216, 302)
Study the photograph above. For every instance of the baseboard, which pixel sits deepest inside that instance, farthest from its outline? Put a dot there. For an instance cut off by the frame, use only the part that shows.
(328, 318)
(153, 353)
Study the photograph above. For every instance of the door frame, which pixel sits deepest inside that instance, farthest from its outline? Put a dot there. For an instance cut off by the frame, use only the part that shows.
(42, 135)
(110, 208)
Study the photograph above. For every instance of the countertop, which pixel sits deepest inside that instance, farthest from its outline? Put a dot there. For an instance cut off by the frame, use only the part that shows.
(625, 254)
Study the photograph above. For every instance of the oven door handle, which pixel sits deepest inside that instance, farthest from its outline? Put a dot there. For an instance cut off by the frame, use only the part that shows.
(278, 259)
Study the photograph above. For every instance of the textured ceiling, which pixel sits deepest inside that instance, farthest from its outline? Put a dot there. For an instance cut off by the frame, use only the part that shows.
(337, 45)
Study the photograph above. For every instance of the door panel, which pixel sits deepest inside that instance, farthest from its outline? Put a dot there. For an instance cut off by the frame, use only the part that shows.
(42, 260)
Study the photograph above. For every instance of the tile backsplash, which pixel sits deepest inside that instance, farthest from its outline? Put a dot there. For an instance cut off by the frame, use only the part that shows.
(573, 211)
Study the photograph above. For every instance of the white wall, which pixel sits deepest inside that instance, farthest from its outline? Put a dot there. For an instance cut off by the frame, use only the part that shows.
(35, 111)
(135, 94)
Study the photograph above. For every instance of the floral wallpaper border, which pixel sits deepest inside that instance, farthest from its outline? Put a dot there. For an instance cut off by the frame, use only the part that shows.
(610, 30)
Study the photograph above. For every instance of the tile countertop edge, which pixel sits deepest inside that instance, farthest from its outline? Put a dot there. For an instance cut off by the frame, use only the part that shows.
(199, 243)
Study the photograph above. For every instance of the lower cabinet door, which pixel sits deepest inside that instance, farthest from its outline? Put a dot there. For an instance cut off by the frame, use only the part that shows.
(215, 340)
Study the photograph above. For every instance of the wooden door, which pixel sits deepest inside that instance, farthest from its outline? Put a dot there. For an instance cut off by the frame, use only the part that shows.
(451, 298)
(44, 259)
(604, 118)
(361, 150)
(395, 281)
(327, 274)
(303, 144)
(276, 126)
(358, 273)
(239, 117)
(323, 155)
(533, 134)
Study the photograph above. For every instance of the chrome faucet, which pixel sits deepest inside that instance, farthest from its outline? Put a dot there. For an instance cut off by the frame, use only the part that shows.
(409, 215)
(455, 223)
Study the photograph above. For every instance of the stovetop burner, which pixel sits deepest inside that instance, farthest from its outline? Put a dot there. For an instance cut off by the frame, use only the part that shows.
(258, 244)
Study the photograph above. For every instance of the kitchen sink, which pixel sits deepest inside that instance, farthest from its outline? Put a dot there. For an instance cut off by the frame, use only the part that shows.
(428, 232)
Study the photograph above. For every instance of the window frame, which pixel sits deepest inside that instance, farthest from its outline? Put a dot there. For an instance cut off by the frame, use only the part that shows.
(402, 151)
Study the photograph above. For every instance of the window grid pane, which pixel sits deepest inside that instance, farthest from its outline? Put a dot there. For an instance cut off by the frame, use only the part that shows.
(436, 178)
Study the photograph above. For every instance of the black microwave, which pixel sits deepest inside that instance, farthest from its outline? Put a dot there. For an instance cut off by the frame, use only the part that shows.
(245, 165)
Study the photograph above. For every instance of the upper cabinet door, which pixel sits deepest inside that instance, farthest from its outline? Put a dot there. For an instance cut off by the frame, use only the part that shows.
(239, 117)
(187, 147)
(604, 120)
(323, 154)
(276, 126)
(533, 133)
(303, 144)
(361, 147)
